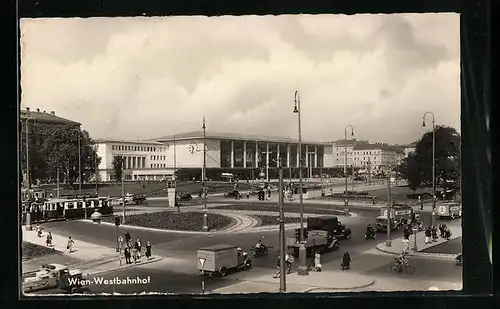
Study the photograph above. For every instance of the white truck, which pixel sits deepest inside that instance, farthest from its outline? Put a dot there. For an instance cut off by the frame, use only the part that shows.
(221, 259)
(54, 276)
(449, 210)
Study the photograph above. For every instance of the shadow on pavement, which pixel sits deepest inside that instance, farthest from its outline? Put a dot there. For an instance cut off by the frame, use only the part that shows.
(450, 247)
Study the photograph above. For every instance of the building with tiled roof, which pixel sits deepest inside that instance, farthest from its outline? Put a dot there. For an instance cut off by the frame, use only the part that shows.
(44, 117)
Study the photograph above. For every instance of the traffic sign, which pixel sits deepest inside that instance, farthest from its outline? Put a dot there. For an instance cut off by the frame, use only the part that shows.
(201, 261)
(393, 179)
(120, 239)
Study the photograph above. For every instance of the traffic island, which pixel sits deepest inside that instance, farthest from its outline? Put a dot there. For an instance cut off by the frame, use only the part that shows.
(177, 221)
(266, 220)
(421, 247)
(290, 208)
(31, 251)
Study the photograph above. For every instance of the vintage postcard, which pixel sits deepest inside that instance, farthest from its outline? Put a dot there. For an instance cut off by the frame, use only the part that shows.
(219, 155)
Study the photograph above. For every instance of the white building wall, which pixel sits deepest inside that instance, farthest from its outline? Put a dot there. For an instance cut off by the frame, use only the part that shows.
(339, 155)
(329, 156)
(189, 153)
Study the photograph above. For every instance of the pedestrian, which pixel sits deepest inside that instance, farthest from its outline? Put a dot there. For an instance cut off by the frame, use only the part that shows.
(49, 239)
(441, 227)
(406, 245)
(127, 237)
(288, 261)
(69, 246)
(447, 233)
(434, 233)
(248, 195)
(346, 261)
(127, 255)
(278, 266)
(421, 203)
(407, 232)
(317, 262)
(148, 249)
(134, 253)
(38, 231)
(139, 248)
(428, 234)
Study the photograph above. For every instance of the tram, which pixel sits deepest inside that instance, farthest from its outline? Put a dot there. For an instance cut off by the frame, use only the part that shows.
(74, 208)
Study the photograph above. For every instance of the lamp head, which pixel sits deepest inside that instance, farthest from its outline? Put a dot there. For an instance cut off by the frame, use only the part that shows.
(423, 122)
(295, 109)
(352, 133)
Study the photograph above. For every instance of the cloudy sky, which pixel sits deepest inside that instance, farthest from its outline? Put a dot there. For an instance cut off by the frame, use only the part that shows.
(147, 77)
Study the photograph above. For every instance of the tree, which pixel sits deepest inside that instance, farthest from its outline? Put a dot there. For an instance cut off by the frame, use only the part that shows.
(418, 165)
(60, 151)
(37, 164)
(117, 166)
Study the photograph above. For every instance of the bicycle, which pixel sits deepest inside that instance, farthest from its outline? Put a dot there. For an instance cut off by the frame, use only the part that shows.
(397, 267)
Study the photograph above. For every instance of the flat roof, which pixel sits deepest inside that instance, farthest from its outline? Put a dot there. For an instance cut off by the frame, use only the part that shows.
(230, 136)
(130, 141)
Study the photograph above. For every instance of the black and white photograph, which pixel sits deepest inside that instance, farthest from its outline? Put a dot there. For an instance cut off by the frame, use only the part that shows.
(240, 154)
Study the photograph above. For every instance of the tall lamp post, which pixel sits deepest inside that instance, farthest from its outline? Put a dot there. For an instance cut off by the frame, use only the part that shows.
(28, 183)
(288, 161)
(281, 202)
(80, 180)
(433, 219)
(204, 177)
(388, 242)
(302, 269)
(123, 187)
(346, 203)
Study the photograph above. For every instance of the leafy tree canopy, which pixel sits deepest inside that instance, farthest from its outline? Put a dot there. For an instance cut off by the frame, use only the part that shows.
(417, 167)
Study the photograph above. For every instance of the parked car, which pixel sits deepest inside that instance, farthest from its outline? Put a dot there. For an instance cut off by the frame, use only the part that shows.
(458, 260)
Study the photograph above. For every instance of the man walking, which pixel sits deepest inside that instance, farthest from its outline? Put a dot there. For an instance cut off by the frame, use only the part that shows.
(428, 234)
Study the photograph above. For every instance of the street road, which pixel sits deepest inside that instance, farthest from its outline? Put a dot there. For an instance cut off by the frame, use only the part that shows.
(180, 245)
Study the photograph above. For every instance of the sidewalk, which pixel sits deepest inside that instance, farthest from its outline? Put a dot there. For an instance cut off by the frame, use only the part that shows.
(397, 245)
(260, 280)
(88, 257)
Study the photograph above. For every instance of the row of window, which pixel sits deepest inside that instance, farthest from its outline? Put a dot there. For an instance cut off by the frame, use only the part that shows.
(158, 158)
(138, 148)
(158, 165)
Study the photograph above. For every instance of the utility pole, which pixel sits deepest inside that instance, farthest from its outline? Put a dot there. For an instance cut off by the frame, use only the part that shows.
(57, 182)
(389, 210)
(28, 183)
(123, 188)
(302, 269)
(289, 165)
(204, 177)
(96, 172)
(282, 231)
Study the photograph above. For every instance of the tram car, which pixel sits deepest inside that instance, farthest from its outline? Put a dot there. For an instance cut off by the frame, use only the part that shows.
(76, 208)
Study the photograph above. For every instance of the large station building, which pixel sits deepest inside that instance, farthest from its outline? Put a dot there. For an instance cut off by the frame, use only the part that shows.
(244, 156)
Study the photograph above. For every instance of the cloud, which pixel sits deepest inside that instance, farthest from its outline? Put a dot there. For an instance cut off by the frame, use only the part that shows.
(148, 77)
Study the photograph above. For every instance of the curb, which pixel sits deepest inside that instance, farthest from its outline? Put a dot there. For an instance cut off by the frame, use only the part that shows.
(419, 254)
(159, 258)
(150, 228)
(372, 282)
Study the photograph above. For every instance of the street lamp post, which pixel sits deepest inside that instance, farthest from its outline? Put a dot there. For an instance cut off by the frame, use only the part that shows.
(123, 188)
(204, 176)
(28, 184)
(282, 229)
(302, 269)
(433, 219)
(346, 203)
(288, 161)
(388, 242)
(80, 180)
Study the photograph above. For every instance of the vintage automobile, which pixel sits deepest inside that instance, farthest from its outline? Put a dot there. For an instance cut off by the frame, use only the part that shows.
(55, 276)
(185, 197)
(449, 210)
(458, 260)
(138, 199)
(221, 259)
(234, 194)
(381, 224)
